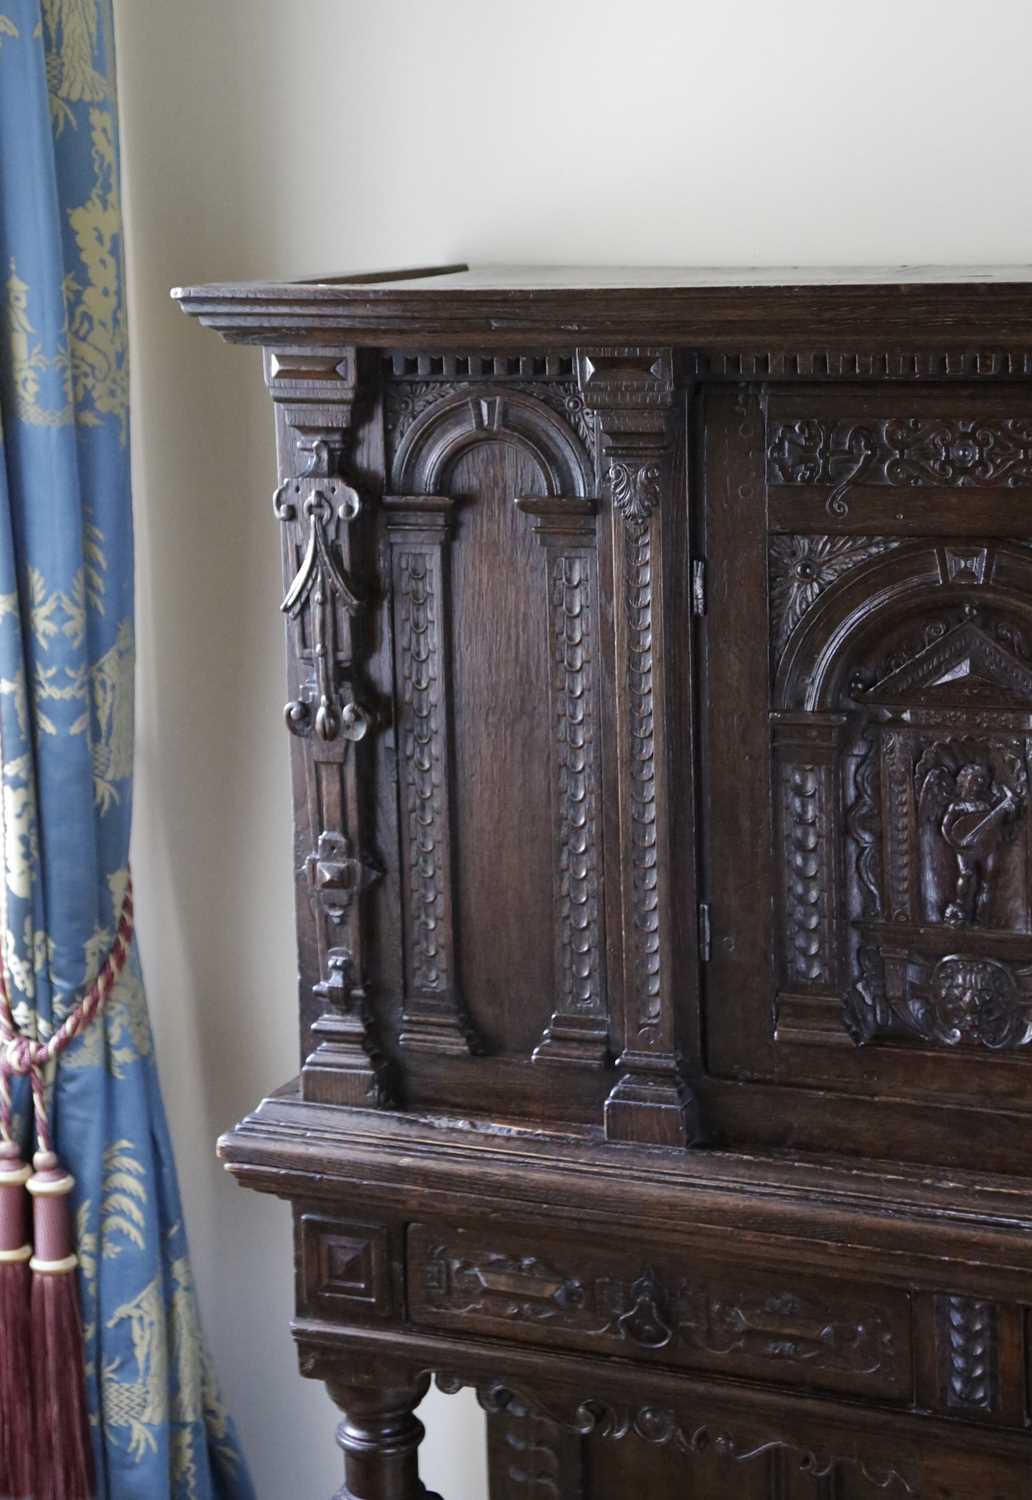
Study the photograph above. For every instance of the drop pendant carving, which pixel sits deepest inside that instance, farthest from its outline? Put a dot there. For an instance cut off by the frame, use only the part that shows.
(321, 503)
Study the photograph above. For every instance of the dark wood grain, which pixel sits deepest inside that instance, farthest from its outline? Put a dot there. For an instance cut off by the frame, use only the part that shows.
(659, 654)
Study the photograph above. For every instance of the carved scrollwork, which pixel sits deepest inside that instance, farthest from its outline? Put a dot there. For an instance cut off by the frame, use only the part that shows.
(461, 1279)
(665, 1427)
(950, 452)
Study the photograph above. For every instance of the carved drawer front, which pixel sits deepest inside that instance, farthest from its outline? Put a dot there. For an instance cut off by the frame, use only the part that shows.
(344, 1268)
(741, 1322)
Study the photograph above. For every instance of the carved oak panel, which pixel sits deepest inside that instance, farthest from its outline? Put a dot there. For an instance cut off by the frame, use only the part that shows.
(899, 688)
(491, 815)
(734, 1322)
(343, 1268)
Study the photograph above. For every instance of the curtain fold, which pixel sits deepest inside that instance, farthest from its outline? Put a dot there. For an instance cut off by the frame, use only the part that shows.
(66, 741)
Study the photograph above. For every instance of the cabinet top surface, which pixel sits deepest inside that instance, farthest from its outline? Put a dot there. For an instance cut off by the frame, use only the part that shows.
(530, 279)
(703, 306)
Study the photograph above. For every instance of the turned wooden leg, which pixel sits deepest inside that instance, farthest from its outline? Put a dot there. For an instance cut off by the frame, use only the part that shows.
(380, 1437)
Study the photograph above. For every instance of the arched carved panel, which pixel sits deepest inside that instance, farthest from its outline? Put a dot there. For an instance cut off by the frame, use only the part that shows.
(501, 821)
(447, 428)
(902, 742)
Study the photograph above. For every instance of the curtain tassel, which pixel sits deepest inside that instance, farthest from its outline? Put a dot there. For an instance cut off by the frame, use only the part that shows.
(16, 1438)
(63, 1447)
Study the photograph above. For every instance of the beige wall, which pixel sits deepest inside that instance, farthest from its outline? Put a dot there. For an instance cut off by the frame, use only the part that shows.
(264, 137)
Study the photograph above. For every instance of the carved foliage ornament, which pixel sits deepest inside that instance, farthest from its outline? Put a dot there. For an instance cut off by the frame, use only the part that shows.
(900, 452)
(803, 567)
(967, 1335)
(636, 488)
(318, 504)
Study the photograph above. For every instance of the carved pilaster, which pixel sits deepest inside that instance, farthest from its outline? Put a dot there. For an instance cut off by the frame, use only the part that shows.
(434, 1017)
(324, 603)
(630, 390)
(578, 1032)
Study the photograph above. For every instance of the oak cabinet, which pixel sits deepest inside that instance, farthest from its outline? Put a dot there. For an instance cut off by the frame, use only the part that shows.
(659, 662)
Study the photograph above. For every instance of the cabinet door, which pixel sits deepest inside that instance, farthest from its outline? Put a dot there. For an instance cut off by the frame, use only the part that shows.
(496, 655)
(867, 705)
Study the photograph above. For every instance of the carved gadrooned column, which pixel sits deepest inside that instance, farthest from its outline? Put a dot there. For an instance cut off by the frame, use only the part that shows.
(631, 392)
(325, 605)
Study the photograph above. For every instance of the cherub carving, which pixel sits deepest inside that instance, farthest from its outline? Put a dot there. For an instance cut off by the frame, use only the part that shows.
(975, 815)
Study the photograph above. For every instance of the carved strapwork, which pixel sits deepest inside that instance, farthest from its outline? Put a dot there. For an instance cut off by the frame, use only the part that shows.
(630, 390)
(315, 394)
(434, 1017)
(578, 1032)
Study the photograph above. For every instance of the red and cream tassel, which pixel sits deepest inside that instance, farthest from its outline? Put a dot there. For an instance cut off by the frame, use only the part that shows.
(63, 1447)
(16, 1439)
(44, 1421)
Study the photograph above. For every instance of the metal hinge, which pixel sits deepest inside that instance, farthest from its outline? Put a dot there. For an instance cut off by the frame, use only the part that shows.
(705, 933)
(699, 586)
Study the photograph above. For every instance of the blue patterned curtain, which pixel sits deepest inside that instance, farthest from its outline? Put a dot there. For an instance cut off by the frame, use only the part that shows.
(66, 745)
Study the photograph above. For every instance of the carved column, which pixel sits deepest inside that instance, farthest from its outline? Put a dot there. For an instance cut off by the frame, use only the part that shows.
(434, 1016)
(578, 1033)
(631, 392)
(380, 1437)
(315, 393)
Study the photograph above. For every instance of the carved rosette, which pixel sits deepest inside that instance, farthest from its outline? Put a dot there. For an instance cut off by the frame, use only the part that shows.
(802, 568)
(630, 391)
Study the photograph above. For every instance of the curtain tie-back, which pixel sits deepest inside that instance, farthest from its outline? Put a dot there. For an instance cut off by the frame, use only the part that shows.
(20, 1054)
(45, 1443)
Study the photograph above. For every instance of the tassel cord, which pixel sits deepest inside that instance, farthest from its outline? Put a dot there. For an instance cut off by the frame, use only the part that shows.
(21, 1055)
(45, 1444)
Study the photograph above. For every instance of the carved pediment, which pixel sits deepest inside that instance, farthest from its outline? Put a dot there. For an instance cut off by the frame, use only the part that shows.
(964, 667)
